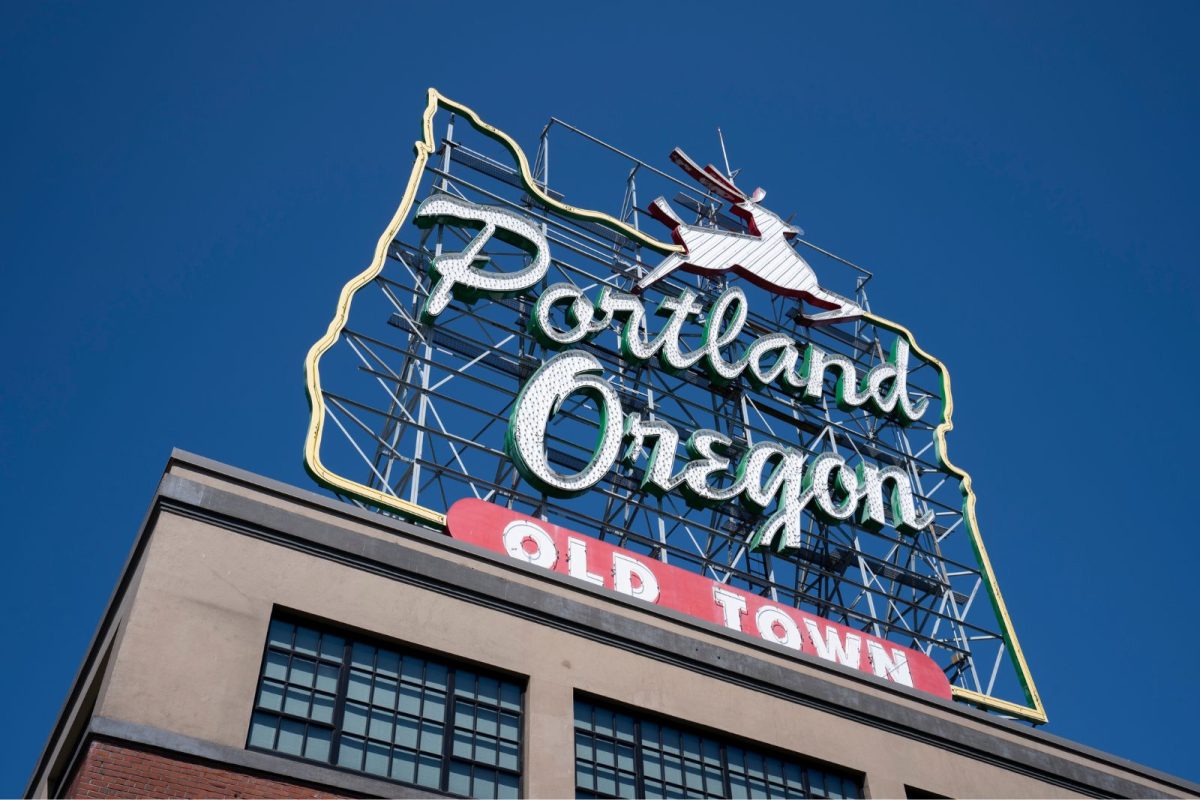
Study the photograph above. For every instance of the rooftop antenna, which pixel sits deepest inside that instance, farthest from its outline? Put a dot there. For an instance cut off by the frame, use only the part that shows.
(725, 155)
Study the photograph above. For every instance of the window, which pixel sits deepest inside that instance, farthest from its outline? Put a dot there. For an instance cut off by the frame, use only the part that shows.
(619, 755)
(364, 706)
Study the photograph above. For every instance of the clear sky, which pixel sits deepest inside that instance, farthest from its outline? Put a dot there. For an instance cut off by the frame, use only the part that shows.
(187, 186)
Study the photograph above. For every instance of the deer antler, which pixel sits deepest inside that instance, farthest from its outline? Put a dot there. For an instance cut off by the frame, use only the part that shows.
(709, 177)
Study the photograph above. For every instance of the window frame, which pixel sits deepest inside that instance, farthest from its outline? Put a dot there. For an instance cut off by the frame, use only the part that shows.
(722, 739)
(336, 727)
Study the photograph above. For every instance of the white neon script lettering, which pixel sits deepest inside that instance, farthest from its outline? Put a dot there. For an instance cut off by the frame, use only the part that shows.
(767, 473)
(771, 359)
(460, 274)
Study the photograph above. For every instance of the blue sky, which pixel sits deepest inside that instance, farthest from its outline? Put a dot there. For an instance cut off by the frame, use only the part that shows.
(187, 187)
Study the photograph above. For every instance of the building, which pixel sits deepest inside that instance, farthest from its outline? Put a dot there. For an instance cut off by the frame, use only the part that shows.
(265, 641)
(723, 553)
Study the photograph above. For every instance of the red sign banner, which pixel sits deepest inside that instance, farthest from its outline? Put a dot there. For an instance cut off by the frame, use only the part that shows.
(558, 549)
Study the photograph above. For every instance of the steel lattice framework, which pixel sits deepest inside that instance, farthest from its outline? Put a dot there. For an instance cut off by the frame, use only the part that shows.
(418, 411)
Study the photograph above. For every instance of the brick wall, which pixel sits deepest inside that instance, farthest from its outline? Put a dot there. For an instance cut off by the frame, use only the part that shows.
(115, 770)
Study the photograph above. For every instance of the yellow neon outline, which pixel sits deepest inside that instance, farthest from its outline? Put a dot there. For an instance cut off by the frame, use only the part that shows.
(1035, 712)
(312, 371)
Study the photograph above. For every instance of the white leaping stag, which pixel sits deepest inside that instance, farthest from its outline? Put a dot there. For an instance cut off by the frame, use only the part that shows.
(763, 256)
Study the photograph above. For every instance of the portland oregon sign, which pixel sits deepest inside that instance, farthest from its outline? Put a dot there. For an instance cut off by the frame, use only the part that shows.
(637, 374)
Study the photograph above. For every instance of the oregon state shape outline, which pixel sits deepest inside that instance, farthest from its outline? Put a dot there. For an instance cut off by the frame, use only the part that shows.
(424, 148)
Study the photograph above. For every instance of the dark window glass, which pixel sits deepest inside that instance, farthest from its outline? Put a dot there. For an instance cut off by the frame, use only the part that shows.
(398, 715)
(619, 755)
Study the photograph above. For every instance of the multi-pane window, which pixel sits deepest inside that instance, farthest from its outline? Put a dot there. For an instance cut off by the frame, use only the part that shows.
(620, 755)
(356, 704)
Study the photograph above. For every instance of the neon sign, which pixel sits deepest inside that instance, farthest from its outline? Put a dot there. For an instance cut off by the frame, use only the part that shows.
(704, 401)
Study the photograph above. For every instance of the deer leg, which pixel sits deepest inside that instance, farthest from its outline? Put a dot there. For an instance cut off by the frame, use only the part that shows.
(838, 308)
(668, 265)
